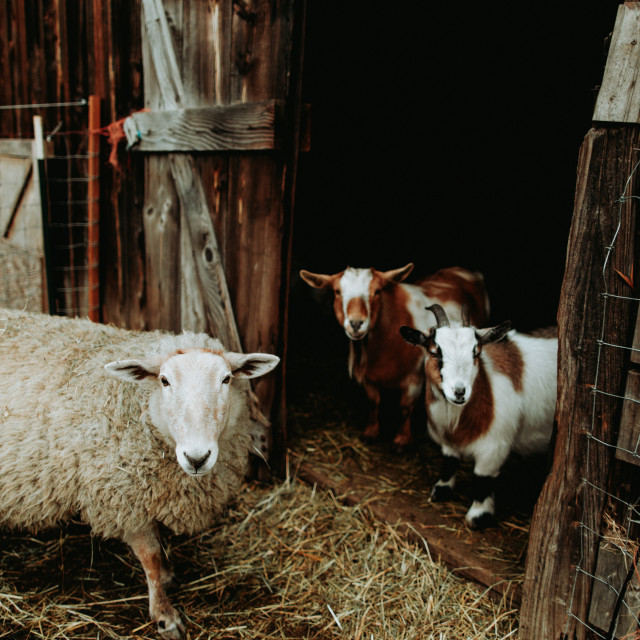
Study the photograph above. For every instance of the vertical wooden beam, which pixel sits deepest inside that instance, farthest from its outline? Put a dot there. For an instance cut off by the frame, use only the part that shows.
(44, 207)
(565, 528)
(93, 197)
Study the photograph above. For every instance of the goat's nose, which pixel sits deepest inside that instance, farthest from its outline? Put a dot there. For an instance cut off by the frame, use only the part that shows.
(356, 324)
(459, 392)
(196, 463)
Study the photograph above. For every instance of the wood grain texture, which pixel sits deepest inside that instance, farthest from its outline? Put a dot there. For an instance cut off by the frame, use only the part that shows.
(619, 96)
(568, 514)
(240, 127)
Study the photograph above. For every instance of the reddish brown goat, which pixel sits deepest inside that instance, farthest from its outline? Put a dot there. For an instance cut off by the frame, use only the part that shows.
(372, 305)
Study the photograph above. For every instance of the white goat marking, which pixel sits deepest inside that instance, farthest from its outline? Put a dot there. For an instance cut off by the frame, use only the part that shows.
(459, 368)
(355, 286)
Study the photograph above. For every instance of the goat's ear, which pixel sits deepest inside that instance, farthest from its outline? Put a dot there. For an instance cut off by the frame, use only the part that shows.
(251, 365)
(396, 275)
(413, 336)
(493, 334)
(316, 280)
(132, 370)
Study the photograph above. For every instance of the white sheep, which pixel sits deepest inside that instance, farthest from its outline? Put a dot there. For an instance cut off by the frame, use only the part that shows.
(488, 393)
(122, 429)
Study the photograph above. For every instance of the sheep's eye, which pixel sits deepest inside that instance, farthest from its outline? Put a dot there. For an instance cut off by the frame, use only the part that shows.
(165, 382)
(227, 380)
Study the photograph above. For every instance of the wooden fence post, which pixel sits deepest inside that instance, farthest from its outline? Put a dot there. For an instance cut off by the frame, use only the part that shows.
(93, 197)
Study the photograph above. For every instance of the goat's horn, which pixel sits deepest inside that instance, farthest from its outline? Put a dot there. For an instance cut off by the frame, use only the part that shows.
(464, 312)
(440, 314)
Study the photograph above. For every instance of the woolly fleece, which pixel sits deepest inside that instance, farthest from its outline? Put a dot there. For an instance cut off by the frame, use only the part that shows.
(75, 442)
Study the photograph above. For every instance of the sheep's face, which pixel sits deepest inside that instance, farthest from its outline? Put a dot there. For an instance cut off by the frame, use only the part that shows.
(357, 295)
(192, 403)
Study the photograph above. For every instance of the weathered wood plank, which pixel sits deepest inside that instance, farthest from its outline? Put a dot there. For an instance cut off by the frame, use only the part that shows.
(161, 218)
(619, 96)
(567, 518)
(611, 574)
(14, 173)
(629, 434)
(239, 127)
(218, 307)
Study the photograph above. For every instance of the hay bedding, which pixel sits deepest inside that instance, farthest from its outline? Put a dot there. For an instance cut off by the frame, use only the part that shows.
(287, 562)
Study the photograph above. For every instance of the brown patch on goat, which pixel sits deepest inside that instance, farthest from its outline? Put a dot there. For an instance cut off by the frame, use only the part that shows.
(459, 285)
(507, 360)
(476, 416)
(389, 358)
(356, 309)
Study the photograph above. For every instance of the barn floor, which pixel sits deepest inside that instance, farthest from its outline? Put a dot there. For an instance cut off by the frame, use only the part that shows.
(326, 417)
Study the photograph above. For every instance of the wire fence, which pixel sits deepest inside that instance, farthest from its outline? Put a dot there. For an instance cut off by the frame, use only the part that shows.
(45, 257)
(615, 600)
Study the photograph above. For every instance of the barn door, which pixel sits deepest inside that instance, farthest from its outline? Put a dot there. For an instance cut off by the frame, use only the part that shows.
(21, 251)
(221, 137)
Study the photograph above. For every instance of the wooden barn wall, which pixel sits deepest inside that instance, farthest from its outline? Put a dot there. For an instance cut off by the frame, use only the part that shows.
(63, 50)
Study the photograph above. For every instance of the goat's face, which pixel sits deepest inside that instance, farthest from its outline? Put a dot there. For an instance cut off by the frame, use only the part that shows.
(192, 402)
(454, 351)
(357, 295)
(453, 354)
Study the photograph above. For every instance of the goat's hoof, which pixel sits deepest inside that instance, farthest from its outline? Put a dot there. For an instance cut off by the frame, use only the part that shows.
(482, 521)
(402, 444)
(441, 493)
(170, 626)
(370, 436)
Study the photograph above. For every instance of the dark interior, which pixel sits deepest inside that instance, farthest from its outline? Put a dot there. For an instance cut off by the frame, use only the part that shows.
(441, 134)
(444, 134)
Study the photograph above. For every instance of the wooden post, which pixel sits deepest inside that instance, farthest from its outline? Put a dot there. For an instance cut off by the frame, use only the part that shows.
(44, 208)
(93, 197)
(564, 538)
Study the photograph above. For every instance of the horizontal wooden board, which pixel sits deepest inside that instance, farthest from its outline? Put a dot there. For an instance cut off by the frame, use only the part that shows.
(619, 95)
(238, 127)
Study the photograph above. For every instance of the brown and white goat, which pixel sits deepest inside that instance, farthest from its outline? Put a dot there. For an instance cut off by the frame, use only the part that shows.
(372, 305)
(489, 392)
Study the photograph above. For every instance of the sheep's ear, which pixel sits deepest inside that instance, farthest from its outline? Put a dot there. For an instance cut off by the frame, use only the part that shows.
(316, 280)
(493, 334)
(413, 336)
(132, 370)
(251, 365)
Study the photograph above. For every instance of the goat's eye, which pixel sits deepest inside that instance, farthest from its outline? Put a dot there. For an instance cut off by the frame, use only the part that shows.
(377, 292)
(227, 380)
(165, 382)
(337, 292)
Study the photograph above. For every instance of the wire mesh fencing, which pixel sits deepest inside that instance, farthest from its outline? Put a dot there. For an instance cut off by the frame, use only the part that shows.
(615, 597)
(46, 240)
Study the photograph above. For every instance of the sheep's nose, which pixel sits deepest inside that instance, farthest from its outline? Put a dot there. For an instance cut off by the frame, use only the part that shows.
(356, 324)
(196, 463)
